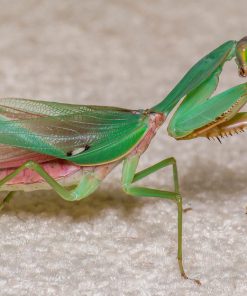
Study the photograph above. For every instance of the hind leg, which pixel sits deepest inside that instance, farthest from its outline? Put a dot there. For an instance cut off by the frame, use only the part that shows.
(87, 185)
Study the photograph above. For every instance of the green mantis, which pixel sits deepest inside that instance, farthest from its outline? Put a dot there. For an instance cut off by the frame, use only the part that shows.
(72, 148)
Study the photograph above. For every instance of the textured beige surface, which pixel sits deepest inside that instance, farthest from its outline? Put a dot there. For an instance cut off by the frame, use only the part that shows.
(130, 54)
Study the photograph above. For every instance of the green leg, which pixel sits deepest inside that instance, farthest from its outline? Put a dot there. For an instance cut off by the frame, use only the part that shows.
(129, 177)
(191, 121)
(87, 185)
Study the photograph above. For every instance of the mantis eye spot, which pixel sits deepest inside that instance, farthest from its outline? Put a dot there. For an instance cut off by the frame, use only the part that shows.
(77, 151)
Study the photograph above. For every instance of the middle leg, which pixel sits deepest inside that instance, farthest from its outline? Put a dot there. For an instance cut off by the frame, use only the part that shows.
(130, 177)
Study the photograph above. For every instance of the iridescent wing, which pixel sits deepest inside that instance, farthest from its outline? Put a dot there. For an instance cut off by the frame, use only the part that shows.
(85, 135)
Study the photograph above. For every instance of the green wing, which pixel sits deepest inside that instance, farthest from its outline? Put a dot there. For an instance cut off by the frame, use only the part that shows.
(85, 135)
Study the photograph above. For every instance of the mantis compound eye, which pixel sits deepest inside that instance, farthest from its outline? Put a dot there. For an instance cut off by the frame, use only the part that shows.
(241, 56)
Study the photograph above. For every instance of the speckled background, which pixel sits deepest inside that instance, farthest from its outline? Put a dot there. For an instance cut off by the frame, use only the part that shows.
(130, 54)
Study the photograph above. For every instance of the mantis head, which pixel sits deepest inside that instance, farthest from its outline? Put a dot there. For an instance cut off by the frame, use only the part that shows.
(241, 56)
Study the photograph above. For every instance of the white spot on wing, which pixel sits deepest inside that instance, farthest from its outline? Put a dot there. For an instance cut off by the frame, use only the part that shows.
(78, 150)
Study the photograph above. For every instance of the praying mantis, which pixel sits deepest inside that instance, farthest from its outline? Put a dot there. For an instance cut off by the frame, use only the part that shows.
(72, 148)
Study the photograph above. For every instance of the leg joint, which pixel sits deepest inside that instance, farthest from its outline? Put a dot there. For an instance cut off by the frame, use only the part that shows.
(172, 160)
(179, 199)
(30, 164)
(126, 188)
